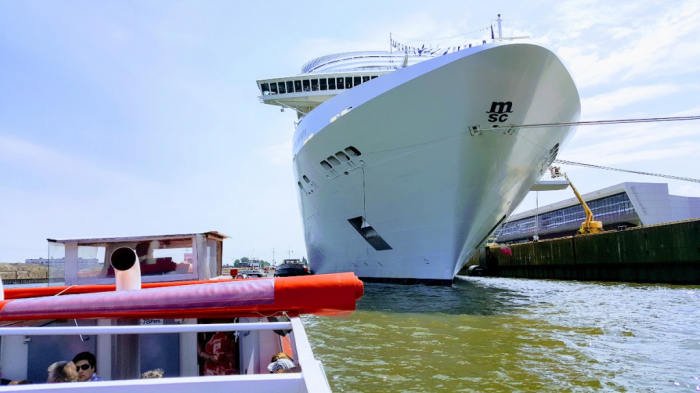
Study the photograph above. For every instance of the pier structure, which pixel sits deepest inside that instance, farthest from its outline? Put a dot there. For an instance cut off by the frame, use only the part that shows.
(660, 253)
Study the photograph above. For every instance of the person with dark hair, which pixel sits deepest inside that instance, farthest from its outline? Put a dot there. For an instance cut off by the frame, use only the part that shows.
(86, 366)
(62, 372)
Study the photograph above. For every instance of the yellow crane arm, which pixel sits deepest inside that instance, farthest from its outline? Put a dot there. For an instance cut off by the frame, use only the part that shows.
(588, 226)
(589, 213)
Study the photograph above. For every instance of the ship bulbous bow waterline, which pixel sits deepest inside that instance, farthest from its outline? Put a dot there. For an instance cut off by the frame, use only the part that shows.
(402, 178)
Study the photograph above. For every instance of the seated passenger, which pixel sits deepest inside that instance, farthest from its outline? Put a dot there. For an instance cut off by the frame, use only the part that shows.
(218, 354)
(62, 372)
(86, 365)
(280, 362)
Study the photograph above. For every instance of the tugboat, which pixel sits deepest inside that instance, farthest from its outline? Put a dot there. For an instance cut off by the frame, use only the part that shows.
(159, 303)
(290, 268)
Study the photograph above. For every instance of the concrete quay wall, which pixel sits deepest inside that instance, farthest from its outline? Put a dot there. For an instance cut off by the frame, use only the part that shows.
(664, 253)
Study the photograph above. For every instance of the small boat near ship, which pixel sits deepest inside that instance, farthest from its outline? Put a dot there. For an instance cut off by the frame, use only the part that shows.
(291, 268)
(133, 326)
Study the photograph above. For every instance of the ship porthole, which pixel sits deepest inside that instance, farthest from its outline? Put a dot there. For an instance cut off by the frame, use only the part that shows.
(352, 152)
(334, 161)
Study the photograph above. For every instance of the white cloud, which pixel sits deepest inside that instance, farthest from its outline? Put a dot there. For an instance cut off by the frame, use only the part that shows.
(608, 102)
(658, 43)
(50, 163)
(620, 32)
(686, 189)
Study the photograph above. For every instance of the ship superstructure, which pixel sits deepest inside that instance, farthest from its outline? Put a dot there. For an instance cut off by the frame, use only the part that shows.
(405, 163)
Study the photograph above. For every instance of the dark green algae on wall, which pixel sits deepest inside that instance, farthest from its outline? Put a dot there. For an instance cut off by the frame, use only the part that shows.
(665, 253)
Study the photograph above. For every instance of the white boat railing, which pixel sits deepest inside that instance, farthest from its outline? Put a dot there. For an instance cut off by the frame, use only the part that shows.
(143, 329)
(311, 379)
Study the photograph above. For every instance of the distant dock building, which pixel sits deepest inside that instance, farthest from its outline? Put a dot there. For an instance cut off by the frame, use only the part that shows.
(622, 205)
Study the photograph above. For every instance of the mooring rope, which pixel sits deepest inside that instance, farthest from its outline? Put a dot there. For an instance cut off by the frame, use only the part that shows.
(626, 170)
(605, 122)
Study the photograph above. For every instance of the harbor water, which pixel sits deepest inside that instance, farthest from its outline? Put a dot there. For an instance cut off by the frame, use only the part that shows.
(510, 335)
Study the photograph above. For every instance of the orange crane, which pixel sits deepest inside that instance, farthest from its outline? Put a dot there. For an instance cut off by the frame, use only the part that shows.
(588, 226)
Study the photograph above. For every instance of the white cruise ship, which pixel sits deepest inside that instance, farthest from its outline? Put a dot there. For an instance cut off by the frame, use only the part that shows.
(406, 163)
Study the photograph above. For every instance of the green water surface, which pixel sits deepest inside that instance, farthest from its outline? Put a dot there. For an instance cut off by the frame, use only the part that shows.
(510, 335)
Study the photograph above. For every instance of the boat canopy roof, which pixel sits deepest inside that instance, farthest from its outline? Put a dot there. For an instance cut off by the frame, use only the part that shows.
(177, 257)
(103, 240)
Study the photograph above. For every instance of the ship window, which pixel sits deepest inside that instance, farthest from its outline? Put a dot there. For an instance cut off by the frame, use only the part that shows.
(306, 179)
(374, 76)
(306, 85)
(273, 88)
(334, 161)
(341, 84)
(314, 84)
(352, 152)
(331, 84)
(297, 86)
(265, 87)
(290, 87)
(324, 84)
(358, 80)
(326, 165)
(365, 79)
(281, 88)
(342, 156)
(348, 82)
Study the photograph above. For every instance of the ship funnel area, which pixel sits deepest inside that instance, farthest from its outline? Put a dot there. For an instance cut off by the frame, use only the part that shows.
(127, 270)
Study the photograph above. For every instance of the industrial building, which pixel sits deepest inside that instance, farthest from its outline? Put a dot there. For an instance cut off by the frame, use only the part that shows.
(618, 207)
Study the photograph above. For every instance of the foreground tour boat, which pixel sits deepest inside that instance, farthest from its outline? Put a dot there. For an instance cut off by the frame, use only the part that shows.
(407, 161)
(181, 320)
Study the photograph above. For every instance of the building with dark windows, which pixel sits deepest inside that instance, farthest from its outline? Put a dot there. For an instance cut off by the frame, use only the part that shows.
(620, 206)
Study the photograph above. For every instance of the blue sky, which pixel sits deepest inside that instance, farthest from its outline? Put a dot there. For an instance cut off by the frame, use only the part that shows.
(136, 118)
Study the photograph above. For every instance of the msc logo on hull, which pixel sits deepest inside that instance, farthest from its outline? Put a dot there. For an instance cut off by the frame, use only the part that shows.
(499, 111)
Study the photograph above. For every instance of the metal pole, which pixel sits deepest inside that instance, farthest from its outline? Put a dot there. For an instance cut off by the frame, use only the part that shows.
(537, 214)
(500, 34)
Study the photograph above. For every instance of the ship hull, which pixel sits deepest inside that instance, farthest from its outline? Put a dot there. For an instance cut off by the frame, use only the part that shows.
(434, 177)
